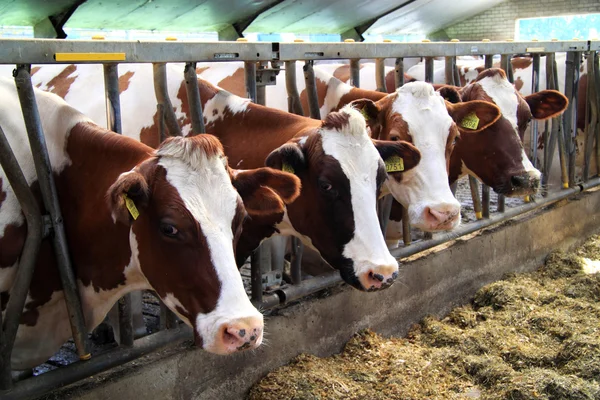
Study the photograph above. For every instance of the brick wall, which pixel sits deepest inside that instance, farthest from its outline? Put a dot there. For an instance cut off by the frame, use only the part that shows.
(498, 23)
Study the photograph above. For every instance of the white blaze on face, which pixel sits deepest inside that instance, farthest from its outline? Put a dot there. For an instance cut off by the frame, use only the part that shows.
(504, 95)
(425, 186)
(208, 194)
(359, 161)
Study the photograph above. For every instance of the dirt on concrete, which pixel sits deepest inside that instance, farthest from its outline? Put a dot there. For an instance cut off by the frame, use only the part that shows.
(529, 336)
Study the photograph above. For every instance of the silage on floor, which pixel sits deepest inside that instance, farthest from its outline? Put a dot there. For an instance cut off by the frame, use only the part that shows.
(529, 336)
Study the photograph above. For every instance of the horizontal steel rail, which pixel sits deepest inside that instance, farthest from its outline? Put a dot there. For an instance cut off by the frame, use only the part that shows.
(34, 387)
(57, 51)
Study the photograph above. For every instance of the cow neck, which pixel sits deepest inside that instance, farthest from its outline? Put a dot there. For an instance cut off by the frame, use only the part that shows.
(248, 131)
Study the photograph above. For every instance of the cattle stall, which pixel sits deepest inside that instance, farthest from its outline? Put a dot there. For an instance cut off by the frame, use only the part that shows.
(257, 56)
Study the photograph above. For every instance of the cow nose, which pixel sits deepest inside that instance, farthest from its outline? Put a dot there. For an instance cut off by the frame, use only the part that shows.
(379, 277)
(525, 183)
(519, 181)
(442, 216)
(241, 334)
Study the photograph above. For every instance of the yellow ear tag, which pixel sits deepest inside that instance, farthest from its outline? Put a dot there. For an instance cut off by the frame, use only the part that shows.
(394, 164)
(131, 207)
(364, 114)
(470, 121)
(287, 168)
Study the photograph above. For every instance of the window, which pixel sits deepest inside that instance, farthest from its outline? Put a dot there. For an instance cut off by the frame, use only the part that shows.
(584, 27)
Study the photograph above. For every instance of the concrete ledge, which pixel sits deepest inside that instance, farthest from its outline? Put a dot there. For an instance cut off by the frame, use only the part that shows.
(430, 284)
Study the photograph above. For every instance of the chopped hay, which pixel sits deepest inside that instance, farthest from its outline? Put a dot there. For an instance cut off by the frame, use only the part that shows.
(529, 336)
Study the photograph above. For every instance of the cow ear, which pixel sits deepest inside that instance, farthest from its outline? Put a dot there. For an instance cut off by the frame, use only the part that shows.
(288, 158)
(127, 197)
(398, 156)
(370, 111)
(450, 94)
(473, 116)
(547, 104)
(266, 190)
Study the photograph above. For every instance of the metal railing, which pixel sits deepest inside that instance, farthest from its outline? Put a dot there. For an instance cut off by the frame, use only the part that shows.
(26, 52)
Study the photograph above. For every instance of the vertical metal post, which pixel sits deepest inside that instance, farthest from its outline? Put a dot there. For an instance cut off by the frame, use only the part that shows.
(429, 69)
(162, 97)
(50, 197)
(507, 67)
(569, 116)
(591, 114)
(450, 66)
(296, 260)
(406, 236)
(597, 100)
(475, 195)
(193, 96)
(384, 208)
(294, 103)
(256, 275)
(113, 121)
(535, 87)
(489, 61)
(311, 90)
(485, 201)
(355, 72)
(453, 188)
(111, 92)
(168, 319)
(250, 80)
(20, 287)
(399, 72)
(380, 75)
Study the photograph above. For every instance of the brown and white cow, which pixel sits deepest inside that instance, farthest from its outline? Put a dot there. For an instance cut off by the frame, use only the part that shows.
(340, 168)
(177, 240)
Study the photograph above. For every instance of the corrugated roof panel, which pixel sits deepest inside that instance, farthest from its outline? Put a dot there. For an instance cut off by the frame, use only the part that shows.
(30, 12)
(426, 16)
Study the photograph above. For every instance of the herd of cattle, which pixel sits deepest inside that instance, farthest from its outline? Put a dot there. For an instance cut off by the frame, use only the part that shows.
(180, 217)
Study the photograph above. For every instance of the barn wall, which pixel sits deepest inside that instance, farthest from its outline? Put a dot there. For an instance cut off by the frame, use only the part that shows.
(498, 23)
(431, 283)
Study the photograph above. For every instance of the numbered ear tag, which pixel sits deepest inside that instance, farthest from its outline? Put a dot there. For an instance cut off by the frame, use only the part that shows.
(394, 164)
(131, 207)
(470, 121)
(285, 167)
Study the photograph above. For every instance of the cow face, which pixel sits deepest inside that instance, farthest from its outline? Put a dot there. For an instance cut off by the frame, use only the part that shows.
(342, 172)
(496, 155)
(419, 115)
(190, 216)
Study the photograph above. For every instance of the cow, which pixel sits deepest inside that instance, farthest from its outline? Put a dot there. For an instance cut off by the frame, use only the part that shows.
(135, 218)
(340, 168)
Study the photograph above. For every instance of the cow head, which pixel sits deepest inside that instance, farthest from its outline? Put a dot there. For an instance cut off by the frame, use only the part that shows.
(496, 154)
(185, 217)
(341, 171)
(419, 115)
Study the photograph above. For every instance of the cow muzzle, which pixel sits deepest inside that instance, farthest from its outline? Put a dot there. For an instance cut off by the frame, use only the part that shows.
(237, 335)
(378, 277)
(524, 184)
(440, 217)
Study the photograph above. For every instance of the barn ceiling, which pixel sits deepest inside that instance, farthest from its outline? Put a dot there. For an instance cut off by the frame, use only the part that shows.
(266, 16)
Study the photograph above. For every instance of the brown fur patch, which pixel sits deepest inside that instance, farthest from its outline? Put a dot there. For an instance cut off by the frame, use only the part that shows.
(336, 120)
(521, 62)
(34, 70)
(491, 72)
(124, 81)
(235, 83)
(519, 83)
(149, 134)
(11, 244)
(62, 82)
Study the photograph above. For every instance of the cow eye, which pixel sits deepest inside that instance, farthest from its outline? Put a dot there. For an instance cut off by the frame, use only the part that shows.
(394, 138)
(168, 230)
(325, 186)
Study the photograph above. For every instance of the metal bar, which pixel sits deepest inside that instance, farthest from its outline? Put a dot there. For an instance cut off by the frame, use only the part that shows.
(256, 275)
(406, 236)
(193, 96)
(162, 127)
(35, 387)
(450, 66)
(380, 75)
(489, 61)
(50, 197)
(535, 87)
(453, 188)
(597, 80)
(485, 200)
(506, 66)
(383, 210)
(591, 114)
(168, 319)
(250, 80)
(294, 103)
(399, 72)
(125, 320)
(311, 90)
(296, 260)
(475, 196)
(355, 72)
(429, 69)
(309, 286)
(568, 115)
(20, 287)
(162, 97)
(111, 92)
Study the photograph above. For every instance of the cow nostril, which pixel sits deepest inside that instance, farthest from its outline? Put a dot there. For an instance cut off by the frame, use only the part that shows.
(378, 277)
(519, 180)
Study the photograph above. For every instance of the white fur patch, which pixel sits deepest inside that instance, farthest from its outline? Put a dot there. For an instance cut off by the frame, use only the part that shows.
(359, 161)
(214, 209)
(426, 185)
(214, 108)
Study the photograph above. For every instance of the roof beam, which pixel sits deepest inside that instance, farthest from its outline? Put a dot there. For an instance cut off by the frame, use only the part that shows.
(229, 33)
(357, 32)
(241, 26)
(52, 26)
